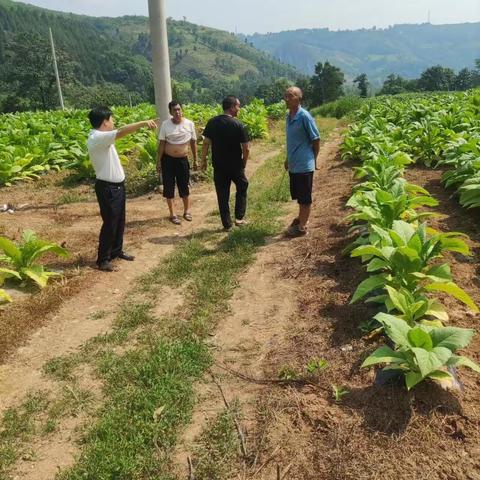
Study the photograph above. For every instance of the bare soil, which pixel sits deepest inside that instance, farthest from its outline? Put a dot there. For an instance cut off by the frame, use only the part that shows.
(292, 307)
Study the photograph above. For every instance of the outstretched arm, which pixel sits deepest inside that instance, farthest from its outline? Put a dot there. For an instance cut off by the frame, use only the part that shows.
(133, 127)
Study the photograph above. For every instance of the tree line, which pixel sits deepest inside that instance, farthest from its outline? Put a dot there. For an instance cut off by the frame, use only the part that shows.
(329, 83)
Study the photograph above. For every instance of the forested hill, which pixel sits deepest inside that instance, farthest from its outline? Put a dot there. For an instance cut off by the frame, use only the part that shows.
(402, 49)
(207, 62)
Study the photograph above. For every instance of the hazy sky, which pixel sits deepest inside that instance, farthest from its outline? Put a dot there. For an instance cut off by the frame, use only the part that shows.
(249, 16)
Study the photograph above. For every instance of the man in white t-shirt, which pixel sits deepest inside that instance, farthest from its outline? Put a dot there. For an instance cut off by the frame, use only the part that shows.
(176, 135)
(109, 184)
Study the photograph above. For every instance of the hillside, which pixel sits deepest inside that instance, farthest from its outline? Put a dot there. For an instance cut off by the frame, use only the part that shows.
(209, 62)
(402, 49)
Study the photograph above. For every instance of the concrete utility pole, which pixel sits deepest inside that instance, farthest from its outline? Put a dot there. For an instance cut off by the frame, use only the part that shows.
(55, 68)
(160, 58)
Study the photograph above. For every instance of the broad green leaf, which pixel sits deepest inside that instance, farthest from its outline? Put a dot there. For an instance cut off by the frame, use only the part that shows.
(458, 361)
(376, 264)
(56, 249)
(404, 230)
(440, 375)
(396, 328)
(368, 285)
(7, 273)
(38, 274)
(431, 323)
(453, 338)
(440, 271)
(437, 310)
(455, 291)
(399, 301)
(10, 249)
(383, 355)
(367, 250)
(412, 379)
(428, 361)
(419, 338)
(423, 200)
(455, 245)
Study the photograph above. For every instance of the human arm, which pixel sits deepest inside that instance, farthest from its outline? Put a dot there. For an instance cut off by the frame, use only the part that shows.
(160, 150)
(133, 127)
(193, 147)
(205, 149)
(316, 151)
(245, 153)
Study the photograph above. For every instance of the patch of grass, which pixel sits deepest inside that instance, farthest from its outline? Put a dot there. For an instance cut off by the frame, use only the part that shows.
(38, 415)
(217, 447)
(18, 424)
(98, 315)
(134, 315)
(127, 442)
(71, 197)
(61, 368)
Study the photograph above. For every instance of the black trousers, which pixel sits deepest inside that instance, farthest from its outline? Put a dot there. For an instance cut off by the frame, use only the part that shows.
(223, 180)
(175, 171)
(111, 199)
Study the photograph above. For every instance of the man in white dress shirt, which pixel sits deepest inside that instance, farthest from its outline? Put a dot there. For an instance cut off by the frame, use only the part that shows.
(176, 135)
(110, 182)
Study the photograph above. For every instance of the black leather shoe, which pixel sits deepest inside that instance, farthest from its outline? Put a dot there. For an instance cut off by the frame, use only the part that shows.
(106, 266)
(126, 256)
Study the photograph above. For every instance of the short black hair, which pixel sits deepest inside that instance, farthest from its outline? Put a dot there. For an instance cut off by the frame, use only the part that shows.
(98, 114)
(229, 102)
(172, 104)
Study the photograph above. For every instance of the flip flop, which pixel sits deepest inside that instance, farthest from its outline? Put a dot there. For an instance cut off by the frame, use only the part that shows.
(187, 216)
(175, 220)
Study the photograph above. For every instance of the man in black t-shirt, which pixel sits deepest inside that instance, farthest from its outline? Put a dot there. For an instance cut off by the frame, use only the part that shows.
(230, 150)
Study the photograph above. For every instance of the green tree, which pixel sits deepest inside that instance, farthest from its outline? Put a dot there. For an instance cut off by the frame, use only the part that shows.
(28, 71)
(437, 78)
(362, 84)
(393, 85)
(464, 79)
(326, 84)
(272, 92)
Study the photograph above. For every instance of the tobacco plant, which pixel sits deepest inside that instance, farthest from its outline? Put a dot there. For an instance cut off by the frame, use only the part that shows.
(22, 258)
(421, 351)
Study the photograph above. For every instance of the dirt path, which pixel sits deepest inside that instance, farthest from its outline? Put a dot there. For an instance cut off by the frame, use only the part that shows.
(90, 312)
(255, 331)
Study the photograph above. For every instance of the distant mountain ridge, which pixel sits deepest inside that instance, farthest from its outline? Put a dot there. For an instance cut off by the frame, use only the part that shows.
(406, 50)
(118, 51)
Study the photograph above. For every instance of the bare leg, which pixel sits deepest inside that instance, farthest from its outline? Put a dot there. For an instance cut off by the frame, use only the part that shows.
(170, 206)
(303, 215)
(186, 204)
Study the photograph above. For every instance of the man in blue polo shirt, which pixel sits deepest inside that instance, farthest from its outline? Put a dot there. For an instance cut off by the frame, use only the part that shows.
(303, 145)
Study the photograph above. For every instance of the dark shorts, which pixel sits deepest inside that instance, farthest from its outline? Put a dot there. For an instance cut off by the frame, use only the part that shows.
(301, 187)
(175, 171)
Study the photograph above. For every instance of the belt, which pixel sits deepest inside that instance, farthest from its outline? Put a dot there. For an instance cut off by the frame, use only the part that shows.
(175, 158)
(114, 184)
